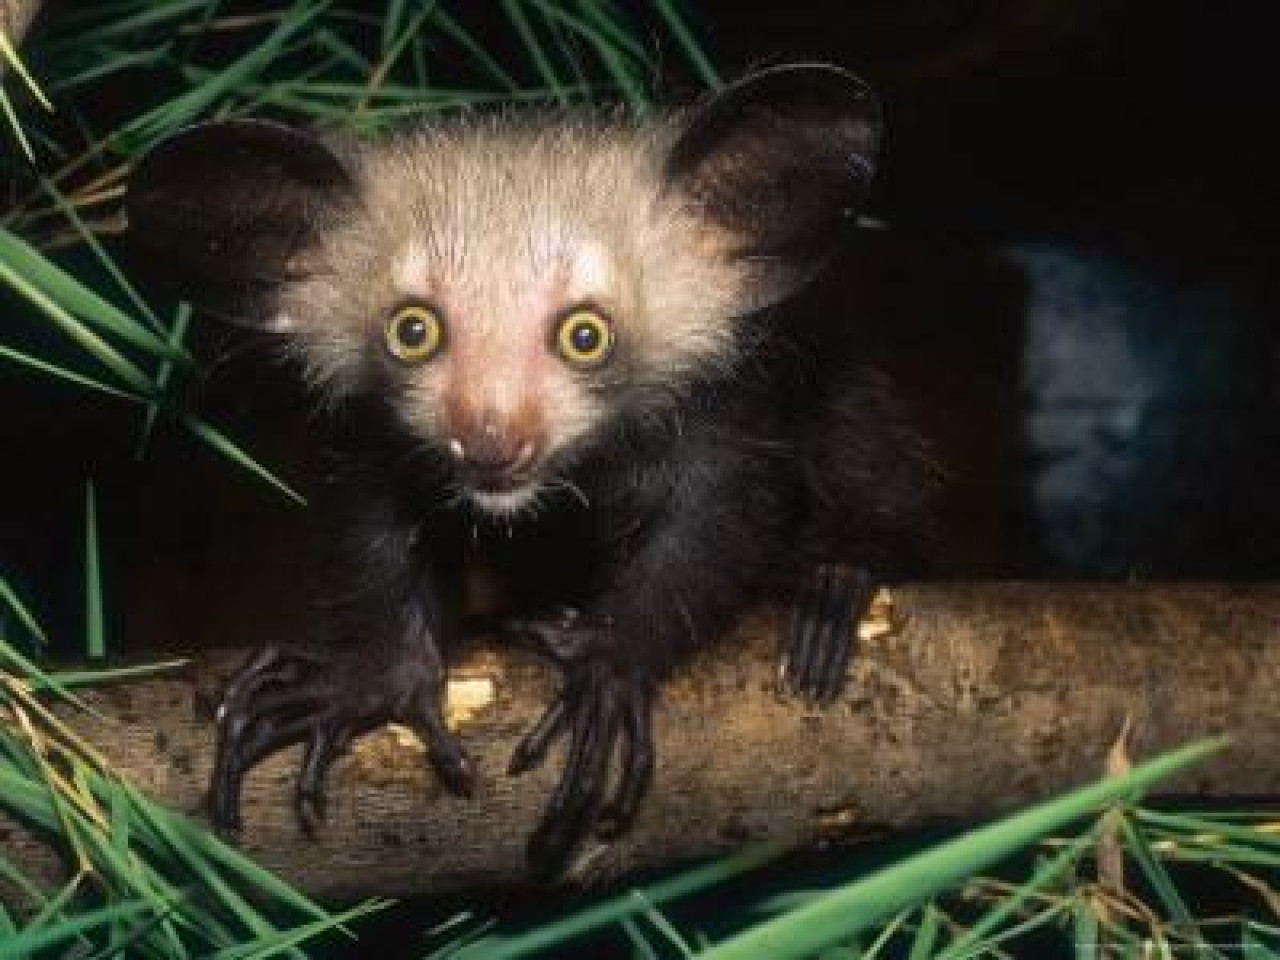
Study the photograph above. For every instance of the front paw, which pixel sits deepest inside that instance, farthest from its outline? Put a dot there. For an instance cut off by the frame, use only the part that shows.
(824, 623)
(282, 697)
(605, 712)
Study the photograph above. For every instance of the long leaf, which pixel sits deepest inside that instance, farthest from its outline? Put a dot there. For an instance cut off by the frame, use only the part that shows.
(849, 910)
(9, 599)
(61, 287)
(85, 338)
(30, 941)
(618, 908)
(94, 622)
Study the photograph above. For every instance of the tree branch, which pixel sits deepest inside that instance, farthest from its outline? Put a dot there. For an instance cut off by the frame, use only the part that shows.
(988, 697)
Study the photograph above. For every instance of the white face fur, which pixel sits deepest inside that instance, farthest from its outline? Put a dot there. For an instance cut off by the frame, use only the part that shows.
(506, 239)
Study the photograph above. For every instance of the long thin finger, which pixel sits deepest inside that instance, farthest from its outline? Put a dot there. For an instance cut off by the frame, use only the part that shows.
(444, 750)
(795, 638)
(836, 633)
(239, 753)
(532, 749)
(578, 793)
(309, 796)
(802, 680)
(619, 809)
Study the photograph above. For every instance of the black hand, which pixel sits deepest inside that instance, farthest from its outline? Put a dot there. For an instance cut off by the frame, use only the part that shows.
(282, 697)
(605, 711)
(819, 642)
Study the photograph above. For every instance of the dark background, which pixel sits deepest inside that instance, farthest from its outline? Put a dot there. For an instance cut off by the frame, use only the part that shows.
(1069, 270)
(1081, 203)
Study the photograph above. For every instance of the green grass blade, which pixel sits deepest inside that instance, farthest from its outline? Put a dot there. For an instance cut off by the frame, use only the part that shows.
(58, 372)
(104, 63)
(108, 263)
(10, 55)
(1192, 824)
(210, 878)
(1046, 873)
(69, 679)
(391, 26)
(288, 940)
(688, 44)
(181, 110)
(55, 905)
(210, 848)
(85, 338)
(15, 126)
(25, 796)
(533, 47)
(476, 51)
(33, 939)
(1085, 931)
(606, 18)
(662, 924)
(10, 600)
(1051, 914)
(112, 27)
(94, 622)
(1163, 885)
(617, 908)
(926, 934)
(641, 948)
(849, 910)
(614, 61)
(68, 292)
(882, 939)
(29, 672)
(223, 444)
(177, 335)
(20, 882)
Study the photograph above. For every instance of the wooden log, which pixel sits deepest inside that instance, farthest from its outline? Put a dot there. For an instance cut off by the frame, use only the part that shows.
(983, 698)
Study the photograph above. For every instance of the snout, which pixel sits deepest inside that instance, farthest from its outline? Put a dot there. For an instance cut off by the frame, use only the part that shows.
(494, 459)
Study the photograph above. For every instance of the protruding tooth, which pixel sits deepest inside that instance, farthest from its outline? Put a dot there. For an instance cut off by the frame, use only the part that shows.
(456, 448)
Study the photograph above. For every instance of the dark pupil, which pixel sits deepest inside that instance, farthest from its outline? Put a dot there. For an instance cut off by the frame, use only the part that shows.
(413, 331)
(585, 337)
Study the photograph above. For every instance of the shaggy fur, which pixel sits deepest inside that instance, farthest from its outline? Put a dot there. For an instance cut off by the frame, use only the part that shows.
(725, 452)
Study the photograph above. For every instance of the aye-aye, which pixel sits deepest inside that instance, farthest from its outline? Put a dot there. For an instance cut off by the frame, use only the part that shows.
(556, 344)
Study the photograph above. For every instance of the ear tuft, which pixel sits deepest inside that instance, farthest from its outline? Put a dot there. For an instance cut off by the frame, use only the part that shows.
(225, 211)
(780, 162)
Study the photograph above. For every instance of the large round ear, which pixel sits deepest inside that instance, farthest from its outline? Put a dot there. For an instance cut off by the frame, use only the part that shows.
(779, 163)
(225, 212)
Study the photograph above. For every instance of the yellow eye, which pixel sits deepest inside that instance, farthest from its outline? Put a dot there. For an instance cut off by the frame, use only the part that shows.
(414, 334)
(584, 338)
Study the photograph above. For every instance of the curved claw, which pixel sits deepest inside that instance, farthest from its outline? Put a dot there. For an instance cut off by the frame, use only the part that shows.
(820, 637)
(605, 713)
(282, 698)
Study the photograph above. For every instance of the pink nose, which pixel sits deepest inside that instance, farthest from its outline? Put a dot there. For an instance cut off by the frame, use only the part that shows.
(492, 456)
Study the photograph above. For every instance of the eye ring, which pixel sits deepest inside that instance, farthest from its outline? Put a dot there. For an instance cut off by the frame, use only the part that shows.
(584, 337)
(414, 333)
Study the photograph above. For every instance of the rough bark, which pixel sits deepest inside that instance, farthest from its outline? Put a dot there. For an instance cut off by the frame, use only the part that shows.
(983, 698)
